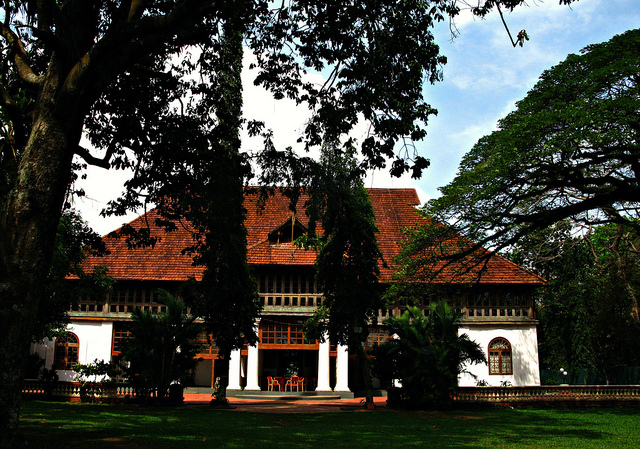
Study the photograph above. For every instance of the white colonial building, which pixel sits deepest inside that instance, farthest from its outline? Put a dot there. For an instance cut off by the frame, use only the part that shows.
(497, 307)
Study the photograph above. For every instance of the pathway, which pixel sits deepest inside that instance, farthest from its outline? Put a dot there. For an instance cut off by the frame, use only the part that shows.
(297, 406)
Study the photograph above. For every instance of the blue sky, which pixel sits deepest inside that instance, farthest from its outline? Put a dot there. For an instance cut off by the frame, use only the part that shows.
(485, 75)
(483, 79)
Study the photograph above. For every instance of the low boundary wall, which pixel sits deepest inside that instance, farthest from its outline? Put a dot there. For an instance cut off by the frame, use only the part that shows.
(570, 395)
(563, 395)
(72, 391)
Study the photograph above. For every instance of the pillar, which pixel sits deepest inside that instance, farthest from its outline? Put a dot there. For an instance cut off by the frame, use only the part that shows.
(252, 366)
(234, 370)
(342, 369)
(323, 366)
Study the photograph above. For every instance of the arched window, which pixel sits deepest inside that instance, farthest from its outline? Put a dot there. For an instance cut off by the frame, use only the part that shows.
(500, 357)
(66, 353)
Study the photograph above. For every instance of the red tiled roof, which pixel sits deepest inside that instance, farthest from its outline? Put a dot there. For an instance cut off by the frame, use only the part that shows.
(395, 210)
(164, 261)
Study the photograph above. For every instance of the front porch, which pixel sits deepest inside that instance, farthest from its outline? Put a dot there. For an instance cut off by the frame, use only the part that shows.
(325, 370)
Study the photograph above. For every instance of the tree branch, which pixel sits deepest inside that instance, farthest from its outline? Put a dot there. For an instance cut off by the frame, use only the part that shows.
(14, 115)
(135, 10)
(522, 35)
(121, 39)
(92, 160)
(21, 61)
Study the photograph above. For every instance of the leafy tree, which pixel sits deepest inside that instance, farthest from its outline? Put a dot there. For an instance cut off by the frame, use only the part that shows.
(347, 267)
(427, 354)
(569, 150)
(226, 297)
(160, 350)
(588, 310)
(132, 75)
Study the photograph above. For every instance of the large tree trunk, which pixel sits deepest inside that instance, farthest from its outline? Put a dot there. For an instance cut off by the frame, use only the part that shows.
(368, 378)
(30, 215)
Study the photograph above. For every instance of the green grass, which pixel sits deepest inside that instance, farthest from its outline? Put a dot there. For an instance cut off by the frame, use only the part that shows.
(75, 425)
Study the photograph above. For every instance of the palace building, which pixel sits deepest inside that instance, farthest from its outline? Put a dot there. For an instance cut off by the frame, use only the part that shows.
(497, 307)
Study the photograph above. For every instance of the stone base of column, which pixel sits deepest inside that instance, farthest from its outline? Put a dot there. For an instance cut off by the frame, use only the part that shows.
(323, 390)
(233, 389)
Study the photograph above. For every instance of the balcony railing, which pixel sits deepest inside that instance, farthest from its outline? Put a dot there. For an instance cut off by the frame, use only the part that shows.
(288, 302)
(496, 313)
(472, 314)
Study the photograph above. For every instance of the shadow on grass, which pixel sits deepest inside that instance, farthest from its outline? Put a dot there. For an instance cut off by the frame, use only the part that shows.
(73, 425)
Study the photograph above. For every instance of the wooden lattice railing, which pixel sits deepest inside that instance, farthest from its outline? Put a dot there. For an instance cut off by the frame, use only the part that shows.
(543, 394)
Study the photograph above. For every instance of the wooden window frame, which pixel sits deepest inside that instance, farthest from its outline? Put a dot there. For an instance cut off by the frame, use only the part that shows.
(376, 336)
(504, 364)
(120, 333)
(66, 352)
(283, 330)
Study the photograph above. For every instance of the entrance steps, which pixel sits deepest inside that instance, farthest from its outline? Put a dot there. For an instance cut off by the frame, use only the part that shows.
(279, 395)
(291, 395)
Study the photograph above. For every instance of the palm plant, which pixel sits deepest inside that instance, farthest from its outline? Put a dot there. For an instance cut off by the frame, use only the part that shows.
(161, 348)
(428, 354)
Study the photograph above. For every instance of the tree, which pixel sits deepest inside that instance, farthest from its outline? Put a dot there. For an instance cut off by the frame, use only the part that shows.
(588, 310)
(122, 72)
(226, 297)
(427, 354)
(160, 350)
(571, 149)
(347, 265)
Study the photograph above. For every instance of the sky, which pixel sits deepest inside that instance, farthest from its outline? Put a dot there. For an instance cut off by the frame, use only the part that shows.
(483, 78)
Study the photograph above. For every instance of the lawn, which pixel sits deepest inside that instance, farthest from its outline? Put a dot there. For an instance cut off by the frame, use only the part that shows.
(75, 425)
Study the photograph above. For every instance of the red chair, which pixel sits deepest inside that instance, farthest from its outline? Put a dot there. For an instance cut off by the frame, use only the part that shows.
(272, 383)
(293, 382)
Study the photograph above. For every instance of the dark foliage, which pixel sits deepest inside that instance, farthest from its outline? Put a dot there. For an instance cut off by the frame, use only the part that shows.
(161, 349)
(426, 354)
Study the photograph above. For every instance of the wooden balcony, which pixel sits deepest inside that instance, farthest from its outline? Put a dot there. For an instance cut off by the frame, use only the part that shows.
(290, 304)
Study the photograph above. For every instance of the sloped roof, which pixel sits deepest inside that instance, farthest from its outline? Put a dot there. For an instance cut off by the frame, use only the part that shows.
(395, 210)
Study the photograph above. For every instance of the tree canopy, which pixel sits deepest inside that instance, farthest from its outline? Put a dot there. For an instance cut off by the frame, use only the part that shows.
(142, 81)
(571, 149)
(588, 310)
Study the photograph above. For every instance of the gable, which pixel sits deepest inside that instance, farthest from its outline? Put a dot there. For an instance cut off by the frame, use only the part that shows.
(287, 232)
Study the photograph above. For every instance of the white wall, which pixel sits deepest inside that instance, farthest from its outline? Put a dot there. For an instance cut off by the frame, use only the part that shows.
(94, 338)
(524, 347)
(45, 350)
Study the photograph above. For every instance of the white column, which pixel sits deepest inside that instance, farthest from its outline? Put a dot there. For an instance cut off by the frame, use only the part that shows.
(323, 366)
(397, 382)
(252, 366)
(234, 370)
(342, 369)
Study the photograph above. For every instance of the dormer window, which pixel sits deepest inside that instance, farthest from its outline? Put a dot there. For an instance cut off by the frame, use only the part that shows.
(287, 232)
